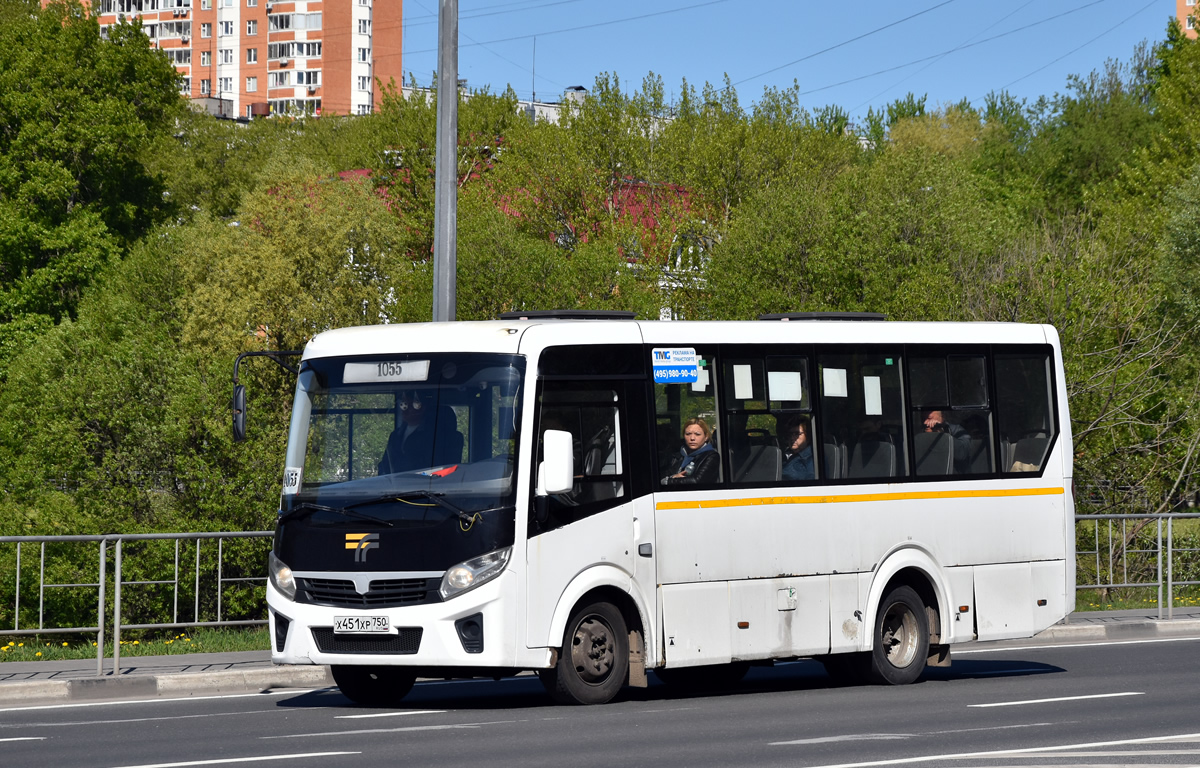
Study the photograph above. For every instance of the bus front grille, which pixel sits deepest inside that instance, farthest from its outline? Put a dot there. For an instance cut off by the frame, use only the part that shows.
(384, 593)
(407, 640)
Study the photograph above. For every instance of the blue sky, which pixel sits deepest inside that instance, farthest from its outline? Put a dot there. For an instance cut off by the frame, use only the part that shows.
(853, 55)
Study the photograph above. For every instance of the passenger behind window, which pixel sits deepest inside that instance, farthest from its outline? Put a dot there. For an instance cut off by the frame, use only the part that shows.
(794, 438)
(697, 461)
(935, 421)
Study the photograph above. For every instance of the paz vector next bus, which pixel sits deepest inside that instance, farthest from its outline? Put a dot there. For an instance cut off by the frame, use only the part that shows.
(480, 498)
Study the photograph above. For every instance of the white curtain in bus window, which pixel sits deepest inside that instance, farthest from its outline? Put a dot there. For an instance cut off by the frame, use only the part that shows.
(872, 396)
(834, 380)
(787, 383)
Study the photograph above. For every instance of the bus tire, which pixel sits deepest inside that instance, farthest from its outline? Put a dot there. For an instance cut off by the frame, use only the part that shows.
(901, 640)
(594, 660)
(373, 686)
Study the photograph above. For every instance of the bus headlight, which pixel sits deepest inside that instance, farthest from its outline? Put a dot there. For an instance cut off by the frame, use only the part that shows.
(281, 576)
(470, 574)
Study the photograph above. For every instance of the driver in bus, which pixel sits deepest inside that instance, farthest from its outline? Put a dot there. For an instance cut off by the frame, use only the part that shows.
(697, 461)
(410, 445)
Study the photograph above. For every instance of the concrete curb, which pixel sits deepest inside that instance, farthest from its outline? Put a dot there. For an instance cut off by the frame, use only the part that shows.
(1121, 630)
(176, 685)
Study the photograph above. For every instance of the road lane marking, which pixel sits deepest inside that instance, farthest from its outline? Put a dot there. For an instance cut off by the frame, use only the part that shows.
(1060, 698)
(392, 714)
(848, 737)
(277, 692)
(998, 672)
(364, 731)
(957, 652)
(75, 723)
(999, 752)
(228, 760)
(25, 738)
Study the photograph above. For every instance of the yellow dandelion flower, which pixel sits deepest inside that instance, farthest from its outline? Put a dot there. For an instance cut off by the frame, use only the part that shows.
(135, 642)
(64, 645)
(20, 645)
(39, 653)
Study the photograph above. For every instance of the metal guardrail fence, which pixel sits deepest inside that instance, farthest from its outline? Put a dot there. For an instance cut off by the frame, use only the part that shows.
(119, 581)
(1122, 555)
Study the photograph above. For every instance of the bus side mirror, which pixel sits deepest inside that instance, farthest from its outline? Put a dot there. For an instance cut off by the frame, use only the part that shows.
(239, 413)
(556, 473)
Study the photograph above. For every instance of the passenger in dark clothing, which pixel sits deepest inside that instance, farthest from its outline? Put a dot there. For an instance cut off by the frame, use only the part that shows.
(795, 441)
(697, 462)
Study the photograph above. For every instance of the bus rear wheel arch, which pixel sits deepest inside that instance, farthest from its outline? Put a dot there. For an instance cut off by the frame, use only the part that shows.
(593, 662)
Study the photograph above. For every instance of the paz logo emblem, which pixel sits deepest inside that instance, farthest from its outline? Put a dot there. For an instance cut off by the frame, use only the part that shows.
(360, 543)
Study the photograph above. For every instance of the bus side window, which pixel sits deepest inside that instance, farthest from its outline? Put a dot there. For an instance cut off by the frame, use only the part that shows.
(675, 405)
(592, 413)
(862, 412)
(951, 417)
(1024, 411)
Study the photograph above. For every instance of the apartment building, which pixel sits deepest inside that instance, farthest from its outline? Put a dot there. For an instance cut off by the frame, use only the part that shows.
(1185, 10)
(252, 58)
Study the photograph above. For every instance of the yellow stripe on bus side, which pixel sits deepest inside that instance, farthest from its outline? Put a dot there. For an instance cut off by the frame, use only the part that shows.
(852, 497)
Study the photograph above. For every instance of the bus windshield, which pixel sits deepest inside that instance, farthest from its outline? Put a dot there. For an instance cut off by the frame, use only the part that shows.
(417, 442)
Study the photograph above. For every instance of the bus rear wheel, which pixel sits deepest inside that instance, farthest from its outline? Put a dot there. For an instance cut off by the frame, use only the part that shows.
(594, 660)
(901, 640)
(373, 686)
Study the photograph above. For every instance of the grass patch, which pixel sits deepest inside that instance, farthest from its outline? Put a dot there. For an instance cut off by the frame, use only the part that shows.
(1132, 598)
(201, 640)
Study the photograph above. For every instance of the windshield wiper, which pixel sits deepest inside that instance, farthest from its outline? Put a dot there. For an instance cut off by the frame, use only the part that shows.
(347, 511)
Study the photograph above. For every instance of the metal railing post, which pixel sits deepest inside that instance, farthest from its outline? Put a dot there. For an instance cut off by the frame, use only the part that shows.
(1170, 569)
(117, 612)
(196, 609)
(17, 603)
(100, 609)
(220, 562)
(175, 587)
(42, 587)
(1160, 582)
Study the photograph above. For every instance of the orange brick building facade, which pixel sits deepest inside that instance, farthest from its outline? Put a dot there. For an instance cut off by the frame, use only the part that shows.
(1184, 9)
(250, 58)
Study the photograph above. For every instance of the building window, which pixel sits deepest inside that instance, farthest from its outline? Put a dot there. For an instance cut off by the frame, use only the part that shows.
(226, 28)
(206, 30)
(251, 3)
(1191, 24)
(251, 55)
(252, 27)
(364, 26)
(226, 3)
(185, 85)
(205, 58)
(279, 22)
(226, 84)
(364, 109)
(364, 54)
(308, 77)
(206, 87)
(251, 84)
(364, 83)
(226, 55)
(206, 5)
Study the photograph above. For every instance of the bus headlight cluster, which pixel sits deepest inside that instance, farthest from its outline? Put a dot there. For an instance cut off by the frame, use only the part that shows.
(470, 574)
(281, 576)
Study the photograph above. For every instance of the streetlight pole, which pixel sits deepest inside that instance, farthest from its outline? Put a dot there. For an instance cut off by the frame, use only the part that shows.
(445, 212)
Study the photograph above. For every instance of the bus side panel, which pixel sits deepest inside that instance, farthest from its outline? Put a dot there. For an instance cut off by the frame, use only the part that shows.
(696, 624)
(1051, 601)
(847, 596)
(959, 627)
(1003, 601)
(774, 618)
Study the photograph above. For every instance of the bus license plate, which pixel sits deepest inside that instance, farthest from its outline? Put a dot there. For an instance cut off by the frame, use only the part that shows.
(358, 624)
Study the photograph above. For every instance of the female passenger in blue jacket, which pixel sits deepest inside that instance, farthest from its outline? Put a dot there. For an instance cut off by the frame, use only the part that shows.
(697, 462)
(796, 442)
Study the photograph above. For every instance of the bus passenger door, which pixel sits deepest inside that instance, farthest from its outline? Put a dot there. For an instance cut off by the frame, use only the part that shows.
(584, 538)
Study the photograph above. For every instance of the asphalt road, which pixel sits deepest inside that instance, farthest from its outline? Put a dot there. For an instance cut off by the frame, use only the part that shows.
(1134, 703)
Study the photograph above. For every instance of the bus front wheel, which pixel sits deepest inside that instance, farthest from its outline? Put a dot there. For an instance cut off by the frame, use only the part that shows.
(901, 641)
(594, 660)
(373, 686)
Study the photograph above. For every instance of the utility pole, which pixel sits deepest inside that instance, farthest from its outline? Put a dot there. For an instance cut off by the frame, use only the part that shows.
(445, 211)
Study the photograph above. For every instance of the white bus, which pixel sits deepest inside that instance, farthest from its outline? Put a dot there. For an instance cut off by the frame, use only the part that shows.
(479, 498)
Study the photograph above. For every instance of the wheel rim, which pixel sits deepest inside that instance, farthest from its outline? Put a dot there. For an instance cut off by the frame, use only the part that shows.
(899, 635)
(592, 652)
